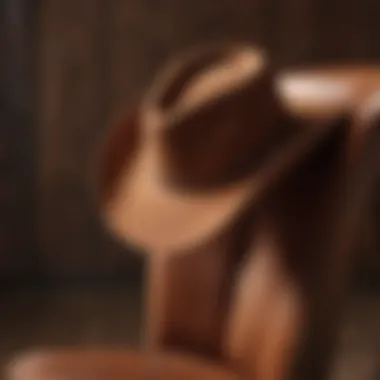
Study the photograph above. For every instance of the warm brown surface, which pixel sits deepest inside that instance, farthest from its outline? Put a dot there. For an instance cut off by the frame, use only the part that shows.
(34, 319)
(116, 365)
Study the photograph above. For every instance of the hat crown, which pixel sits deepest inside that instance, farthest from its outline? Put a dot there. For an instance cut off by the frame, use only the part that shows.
(213, 112)
(199, 76)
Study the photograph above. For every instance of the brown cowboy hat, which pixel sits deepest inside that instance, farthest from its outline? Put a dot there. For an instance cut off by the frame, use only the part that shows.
(210, 136)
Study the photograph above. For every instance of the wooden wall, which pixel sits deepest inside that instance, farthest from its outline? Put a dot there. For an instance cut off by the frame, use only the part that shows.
(95, 56)
(18, 250)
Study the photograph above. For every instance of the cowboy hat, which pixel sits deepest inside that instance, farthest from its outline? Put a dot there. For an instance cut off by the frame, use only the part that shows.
(210, 136)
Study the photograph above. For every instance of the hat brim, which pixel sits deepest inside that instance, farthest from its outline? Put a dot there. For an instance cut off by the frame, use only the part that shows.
(143, 211)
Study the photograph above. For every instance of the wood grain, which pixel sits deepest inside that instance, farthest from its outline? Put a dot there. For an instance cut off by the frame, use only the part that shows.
(72, 108)
(17, 140)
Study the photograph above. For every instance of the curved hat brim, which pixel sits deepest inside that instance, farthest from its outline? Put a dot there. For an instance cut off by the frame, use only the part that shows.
(144, 211)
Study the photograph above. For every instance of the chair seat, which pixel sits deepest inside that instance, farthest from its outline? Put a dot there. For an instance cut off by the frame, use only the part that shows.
(93, 364)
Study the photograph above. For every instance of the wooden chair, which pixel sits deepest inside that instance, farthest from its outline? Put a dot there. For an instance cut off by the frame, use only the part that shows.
(263, 297)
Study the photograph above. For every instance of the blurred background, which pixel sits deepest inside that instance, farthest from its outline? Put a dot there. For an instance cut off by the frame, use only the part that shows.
(66, 67)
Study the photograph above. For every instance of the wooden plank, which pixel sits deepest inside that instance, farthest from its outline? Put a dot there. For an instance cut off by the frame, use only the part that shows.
(342, 33)
(371, 27)
(296, 32)
(17, 137)
(72, 111)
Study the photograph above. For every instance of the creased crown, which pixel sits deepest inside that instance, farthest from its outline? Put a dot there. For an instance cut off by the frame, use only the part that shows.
(215, 113)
